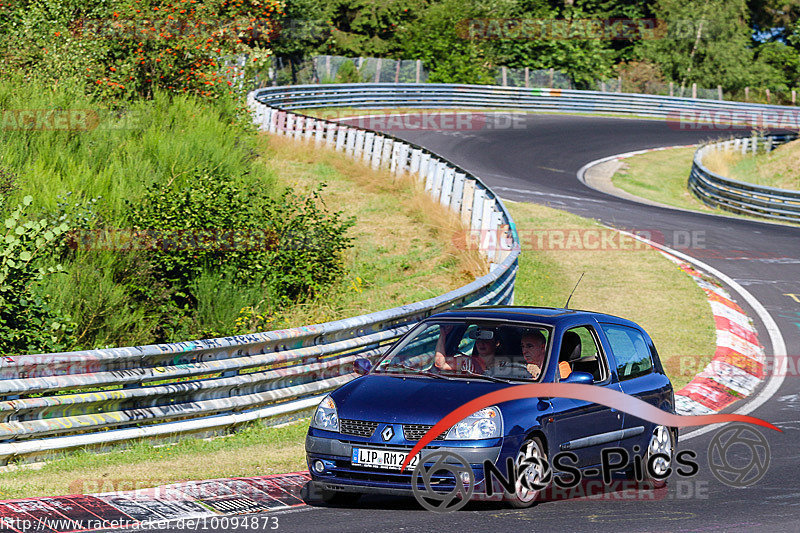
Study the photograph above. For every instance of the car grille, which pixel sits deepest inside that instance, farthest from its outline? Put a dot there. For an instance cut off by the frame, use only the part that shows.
(416, 431)
(359, 428)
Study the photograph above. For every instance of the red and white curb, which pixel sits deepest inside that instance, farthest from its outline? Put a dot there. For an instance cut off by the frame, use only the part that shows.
(195, 503)
(738, 363)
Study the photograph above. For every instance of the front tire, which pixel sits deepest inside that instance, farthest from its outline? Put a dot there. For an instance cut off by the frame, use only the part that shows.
(536, 473)
(662, 441)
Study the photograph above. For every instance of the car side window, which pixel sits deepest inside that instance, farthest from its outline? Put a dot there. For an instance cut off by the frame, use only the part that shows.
(580, 350)
(630, 350)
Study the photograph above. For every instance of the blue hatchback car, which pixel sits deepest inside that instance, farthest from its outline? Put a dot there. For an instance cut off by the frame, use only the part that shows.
(362, 432)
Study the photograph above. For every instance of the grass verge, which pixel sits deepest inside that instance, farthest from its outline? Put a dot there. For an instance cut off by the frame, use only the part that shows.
(662, 176)
(256, 450)
(778, 168)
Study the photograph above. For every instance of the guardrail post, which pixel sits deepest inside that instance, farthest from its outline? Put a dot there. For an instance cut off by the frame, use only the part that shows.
(280, 127)
(503, 231)
(458, 192)
(273, 121)
(694, 90)
(299, 122)
(477, 208)
(311, 125)
(416, 153)
(386, 156)
(394, 161)
(320, 133)
(359, 144)
(289, 131)
(402, 155)
(330, 137)
(486, 214)
(424, 163)
(435, 177)
(369, 140)
(350, 142)
(377, 150)
(341, 137)
(467, 201)
(447, 186)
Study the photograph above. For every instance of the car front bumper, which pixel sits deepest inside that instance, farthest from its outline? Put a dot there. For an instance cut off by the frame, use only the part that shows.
(341, 475)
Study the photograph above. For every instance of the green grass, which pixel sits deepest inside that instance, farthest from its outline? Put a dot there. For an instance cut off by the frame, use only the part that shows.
(162, 139)
(779, 168)
(254, 450)
(662, 176)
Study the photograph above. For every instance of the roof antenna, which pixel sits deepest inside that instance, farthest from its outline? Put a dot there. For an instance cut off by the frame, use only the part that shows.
(566, 306)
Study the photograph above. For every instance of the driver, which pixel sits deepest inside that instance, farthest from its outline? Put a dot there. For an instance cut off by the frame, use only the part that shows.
(533, 345)
(483, 354)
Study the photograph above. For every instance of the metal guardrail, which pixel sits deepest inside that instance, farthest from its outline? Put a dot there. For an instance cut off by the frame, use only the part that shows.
(436, 95)
(54, 402)
(740, 197)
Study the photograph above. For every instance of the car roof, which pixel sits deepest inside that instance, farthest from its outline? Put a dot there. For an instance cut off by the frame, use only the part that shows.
(541, 315)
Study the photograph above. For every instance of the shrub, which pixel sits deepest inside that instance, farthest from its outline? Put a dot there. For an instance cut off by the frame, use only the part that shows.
(310, 243)
(27, 322)
(292, 244)
(124, 49)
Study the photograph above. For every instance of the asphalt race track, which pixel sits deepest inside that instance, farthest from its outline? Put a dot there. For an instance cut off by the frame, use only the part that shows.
(538, 161)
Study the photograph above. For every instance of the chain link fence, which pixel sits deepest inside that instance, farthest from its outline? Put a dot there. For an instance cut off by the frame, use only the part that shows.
(338, 69)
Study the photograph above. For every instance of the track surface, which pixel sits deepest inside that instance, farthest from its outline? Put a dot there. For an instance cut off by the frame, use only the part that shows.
(538, 162)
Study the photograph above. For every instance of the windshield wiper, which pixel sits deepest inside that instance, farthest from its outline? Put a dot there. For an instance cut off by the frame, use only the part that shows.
(418, 371)
(490, 378)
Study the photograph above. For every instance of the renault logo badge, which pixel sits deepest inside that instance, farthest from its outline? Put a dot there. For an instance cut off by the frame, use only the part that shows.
(387, 433)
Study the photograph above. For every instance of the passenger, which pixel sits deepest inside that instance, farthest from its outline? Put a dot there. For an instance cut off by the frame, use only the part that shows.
(533, 345)
(483, 353)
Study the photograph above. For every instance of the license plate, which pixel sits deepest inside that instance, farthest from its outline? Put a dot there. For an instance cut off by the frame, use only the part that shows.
(372, 458)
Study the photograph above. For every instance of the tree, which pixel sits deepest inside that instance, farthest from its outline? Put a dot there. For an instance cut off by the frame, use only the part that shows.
(709, 44)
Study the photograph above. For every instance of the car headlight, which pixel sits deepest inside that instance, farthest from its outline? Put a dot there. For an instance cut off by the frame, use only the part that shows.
(326, 417)
(485, 424)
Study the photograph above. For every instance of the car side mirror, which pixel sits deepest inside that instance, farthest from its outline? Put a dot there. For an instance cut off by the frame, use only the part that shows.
(579, 377)
(362, 366)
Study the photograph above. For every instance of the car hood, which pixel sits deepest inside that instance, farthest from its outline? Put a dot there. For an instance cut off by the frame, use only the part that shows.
(409, 400)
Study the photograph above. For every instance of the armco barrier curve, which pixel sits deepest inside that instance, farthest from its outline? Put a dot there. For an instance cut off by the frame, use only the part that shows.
(740, 197)
(54, 402)
(685, 112)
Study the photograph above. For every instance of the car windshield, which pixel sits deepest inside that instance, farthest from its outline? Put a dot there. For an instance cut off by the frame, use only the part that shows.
(487, 350)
